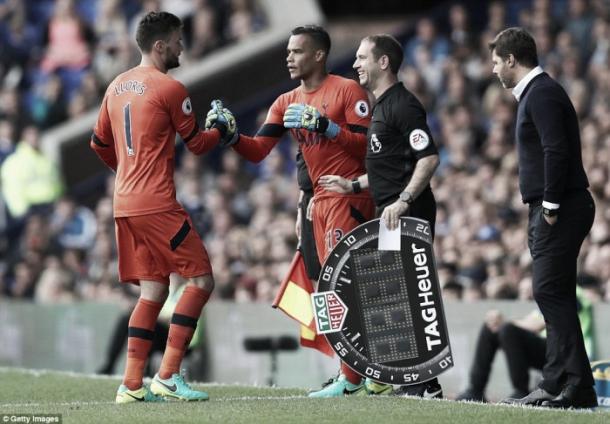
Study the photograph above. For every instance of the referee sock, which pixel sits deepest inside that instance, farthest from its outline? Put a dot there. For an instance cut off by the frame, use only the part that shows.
(181, 329)
(139, 340)
(350, 375)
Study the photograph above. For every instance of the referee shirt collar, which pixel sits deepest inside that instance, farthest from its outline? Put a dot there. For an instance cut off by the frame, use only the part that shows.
(390, 89)
(520, 87)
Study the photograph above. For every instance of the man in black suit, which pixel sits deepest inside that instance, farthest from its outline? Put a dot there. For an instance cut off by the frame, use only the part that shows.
(554, 185)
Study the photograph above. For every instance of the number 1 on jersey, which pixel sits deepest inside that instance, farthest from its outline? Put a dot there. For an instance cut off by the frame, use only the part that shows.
(127, 118)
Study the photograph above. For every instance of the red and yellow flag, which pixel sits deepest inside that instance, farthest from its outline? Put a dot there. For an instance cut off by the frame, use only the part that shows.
(293, 298)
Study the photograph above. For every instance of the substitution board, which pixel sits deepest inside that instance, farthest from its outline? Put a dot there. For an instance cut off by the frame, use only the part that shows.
(382, 310)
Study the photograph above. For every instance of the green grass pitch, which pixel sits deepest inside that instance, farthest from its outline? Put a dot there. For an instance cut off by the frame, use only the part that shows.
(90, 399)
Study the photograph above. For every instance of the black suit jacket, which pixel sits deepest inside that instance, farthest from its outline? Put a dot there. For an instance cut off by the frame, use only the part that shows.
(548, 143)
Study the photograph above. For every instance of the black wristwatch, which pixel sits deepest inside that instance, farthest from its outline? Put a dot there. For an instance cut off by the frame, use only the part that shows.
(406, 197)
(356, 187)
(550, 212)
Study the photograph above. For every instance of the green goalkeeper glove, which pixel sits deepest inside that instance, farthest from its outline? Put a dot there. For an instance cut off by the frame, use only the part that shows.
(222, 119)
(299, 115)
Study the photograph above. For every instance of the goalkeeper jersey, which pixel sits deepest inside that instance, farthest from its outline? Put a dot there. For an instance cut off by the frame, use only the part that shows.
(341, 100)
(135, 135)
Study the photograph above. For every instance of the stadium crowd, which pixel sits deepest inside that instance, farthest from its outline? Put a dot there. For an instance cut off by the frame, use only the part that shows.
(246, 214)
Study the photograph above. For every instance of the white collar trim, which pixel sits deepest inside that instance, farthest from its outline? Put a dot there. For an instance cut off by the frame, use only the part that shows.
(520, 87)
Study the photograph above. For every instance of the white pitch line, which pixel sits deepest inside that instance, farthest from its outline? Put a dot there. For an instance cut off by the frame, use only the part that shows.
(97, 403)
(24, 405)
(73, 374)
(247, 398)
(40, 372)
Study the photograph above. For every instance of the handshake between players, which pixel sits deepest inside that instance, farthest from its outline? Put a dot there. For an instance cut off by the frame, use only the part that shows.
(297, 115)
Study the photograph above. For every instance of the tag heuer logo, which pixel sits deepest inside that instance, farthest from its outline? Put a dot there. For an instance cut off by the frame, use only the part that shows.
(329, 311)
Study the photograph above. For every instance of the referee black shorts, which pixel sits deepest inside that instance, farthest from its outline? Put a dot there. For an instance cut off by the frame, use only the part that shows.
(308, 243)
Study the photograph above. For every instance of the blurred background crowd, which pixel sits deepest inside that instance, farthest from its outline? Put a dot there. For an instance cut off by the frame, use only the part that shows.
(57, 57)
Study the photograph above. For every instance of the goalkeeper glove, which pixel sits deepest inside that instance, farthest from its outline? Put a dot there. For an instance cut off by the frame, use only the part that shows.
(299, 115)
(222, 119)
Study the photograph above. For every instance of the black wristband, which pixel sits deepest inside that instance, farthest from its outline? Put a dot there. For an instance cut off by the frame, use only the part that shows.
(356, 187)
(550, 212)
(220, 127)
(322, 124)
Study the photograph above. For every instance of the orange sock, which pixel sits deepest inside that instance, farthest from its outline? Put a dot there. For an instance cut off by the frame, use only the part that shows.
(181, 329)
(140, 336)
(350, 375)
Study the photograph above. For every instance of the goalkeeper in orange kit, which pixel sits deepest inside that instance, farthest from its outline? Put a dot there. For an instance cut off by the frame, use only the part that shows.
(135, 132)
(328, 116)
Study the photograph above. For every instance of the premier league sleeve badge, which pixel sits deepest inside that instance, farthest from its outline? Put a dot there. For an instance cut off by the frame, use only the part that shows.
(382, 310)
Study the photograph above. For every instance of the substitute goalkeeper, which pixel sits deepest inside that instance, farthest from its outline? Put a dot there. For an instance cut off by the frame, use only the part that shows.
(328, 116)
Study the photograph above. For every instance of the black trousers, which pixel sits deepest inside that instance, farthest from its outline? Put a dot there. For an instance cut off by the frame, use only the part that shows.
(522, 348)
(308, 243)
(554, 251)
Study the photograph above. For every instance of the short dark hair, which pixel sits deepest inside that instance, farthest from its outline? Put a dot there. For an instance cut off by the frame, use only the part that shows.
(319, 36)
(156, 26)
(519, 43)
(385, 44)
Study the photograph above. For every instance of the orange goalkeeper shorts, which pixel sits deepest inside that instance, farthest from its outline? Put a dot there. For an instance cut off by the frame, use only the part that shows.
(335, 216)
(152, 246)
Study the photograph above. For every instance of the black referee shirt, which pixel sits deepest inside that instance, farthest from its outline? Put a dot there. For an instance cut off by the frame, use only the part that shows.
(397, 138)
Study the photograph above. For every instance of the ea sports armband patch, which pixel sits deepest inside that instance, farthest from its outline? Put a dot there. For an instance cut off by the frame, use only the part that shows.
(419, 140)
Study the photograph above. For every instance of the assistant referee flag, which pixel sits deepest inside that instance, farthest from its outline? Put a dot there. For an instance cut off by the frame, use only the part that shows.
(294, 299)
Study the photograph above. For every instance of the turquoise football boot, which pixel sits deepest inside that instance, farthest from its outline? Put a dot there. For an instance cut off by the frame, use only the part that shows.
(337, 387)
(176, 388)
(143, 394)
(372, 388)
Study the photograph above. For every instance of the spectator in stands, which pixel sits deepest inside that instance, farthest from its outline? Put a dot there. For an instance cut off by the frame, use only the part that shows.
(7, 139)
(181, 8)
(579, 22)
(18, 40)
(110, 25)
(73, 226)
(428, 37)
(101, 261)
(68, 39)
(77, 106)
(415, 82)
(460, 34)
(114, 52)
(244, 19)
(48, 105)
(147, 7)
(24, 282)
(11, 110)
(28, 177)
(201, 29)
(496, 16)
(601, 46)
(90, 89)
(55, 284)
(109, 62)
